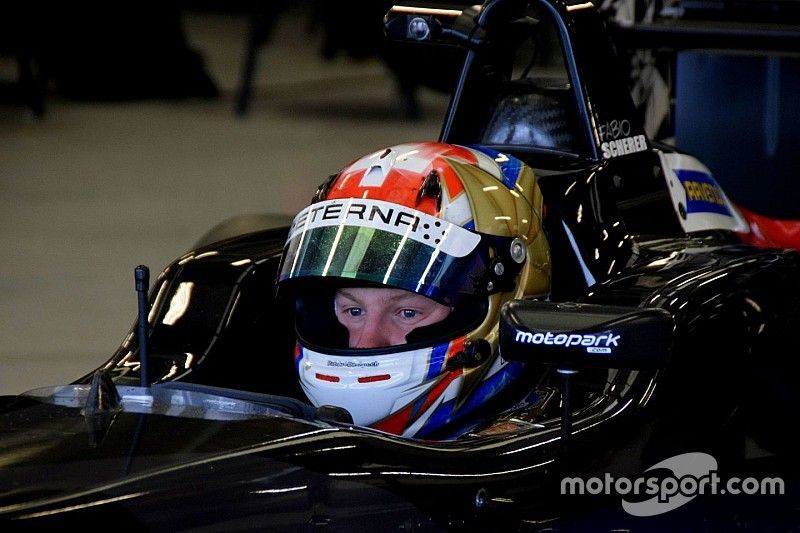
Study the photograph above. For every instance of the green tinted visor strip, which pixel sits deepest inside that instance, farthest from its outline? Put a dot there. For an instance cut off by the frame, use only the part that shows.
(383, 243)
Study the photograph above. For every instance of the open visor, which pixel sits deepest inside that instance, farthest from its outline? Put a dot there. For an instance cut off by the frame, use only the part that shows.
(381, 242)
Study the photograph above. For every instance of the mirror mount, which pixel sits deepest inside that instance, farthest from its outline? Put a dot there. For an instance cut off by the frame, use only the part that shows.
(572, 336)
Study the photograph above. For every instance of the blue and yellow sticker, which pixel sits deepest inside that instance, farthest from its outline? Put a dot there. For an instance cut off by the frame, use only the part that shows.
(703, 194)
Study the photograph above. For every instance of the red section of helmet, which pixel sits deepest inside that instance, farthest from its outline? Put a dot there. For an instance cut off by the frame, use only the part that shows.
(402, 181)
(402, 419)
(456, 347)
(399, 421)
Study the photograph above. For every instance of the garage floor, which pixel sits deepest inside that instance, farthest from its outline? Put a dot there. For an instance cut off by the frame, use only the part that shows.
(92, 190)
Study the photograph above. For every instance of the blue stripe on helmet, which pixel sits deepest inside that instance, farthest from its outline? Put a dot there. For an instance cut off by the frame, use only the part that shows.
(438, 418)
(444, 413)
(493, 385)
(509, 165)
(436, 361)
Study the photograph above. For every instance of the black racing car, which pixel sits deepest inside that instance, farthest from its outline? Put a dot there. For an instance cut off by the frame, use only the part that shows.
(666, 349)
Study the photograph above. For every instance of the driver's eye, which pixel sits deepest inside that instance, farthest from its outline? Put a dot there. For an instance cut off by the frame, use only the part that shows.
(408, 313)
(354, 311)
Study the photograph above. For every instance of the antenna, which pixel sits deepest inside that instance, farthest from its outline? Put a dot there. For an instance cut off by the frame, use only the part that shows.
(566, 408)
(142, 275)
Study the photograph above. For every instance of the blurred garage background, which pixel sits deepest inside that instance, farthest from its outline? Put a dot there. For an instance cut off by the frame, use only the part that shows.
(131, 140)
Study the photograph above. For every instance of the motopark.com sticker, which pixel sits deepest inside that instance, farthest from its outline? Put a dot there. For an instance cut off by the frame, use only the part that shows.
(671, 483)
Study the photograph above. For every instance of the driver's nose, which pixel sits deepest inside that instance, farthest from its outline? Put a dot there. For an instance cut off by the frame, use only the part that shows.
(375, 332)
(370, 337)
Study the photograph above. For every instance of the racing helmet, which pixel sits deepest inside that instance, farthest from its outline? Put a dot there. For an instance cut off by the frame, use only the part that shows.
(461, 225)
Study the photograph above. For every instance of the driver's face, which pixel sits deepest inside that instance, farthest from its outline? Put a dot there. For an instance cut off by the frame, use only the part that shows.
(376, 317)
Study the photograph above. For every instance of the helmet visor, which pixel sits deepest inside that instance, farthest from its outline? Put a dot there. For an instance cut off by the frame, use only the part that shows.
(388, 244)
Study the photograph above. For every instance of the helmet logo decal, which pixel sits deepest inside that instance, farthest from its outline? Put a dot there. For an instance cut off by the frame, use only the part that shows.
(377, 214)
(353, 363)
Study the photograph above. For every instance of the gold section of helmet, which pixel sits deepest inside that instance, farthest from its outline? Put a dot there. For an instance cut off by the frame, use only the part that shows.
(518, 213)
